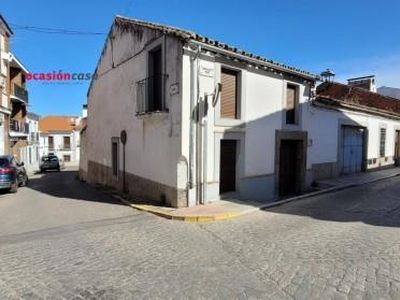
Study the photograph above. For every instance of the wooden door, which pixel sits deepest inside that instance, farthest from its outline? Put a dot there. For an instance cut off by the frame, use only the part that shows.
(352, 149)
(288, 167)
(227, 175)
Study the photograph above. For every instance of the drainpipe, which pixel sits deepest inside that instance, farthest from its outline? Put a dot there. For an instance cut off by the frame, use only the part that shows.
(199, 149)
(192, 128)
(205, 143)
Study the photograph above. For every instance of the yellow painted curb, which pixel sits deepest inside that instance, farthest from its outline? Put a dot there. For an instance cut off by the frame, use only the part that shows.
(184, 218)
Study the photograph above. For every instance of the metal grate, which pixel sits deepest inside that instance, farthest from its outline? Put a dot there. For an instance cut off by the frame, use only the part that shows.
(382, 142)
(150, 94)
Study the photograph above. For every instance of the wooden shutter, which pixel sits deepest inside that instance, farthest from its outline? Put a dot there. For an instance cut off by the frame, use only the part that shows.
(67, 144)
(229, 94)
(51, 142)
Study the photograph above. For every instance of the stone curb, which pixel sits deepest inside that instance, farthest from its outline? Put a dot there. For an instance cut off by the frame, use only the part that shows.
(230, 215)
(185, 218)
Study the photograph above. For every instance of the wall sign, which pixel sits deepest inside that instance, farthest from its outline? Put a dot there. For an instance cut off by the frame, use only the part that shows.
(206, 71)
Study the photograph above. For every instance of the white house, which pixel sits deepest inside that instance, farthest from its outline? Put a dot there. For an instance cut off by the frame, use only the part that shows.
(177, 117)
(352, 129)
(202, 120)
(59, 135)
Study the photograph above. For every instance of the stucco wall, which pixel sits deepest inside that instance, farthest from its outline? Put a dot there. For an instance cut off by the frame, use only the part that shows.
(262, 98)
(153, 140)
(324, 135)
(58, 143)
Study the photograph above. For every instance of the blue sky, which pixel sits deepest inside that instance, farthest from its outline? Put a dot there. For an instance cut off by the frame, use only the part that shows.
(353, 38)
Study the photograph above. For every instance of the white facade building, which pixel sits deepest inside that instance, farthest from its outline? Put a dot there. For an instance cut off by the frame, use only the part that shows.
(202, 119)
(352, 129)
(179, 118)
(59, 135)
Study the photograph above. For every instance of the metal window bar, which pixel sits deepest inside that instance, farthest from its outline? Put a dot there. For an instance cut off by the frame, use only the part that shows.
(382, 142)
(150, 94)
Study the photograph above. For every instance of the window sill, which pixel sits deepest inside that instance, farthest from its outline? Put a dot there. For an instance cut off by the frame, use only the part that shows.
(229, 122)
(152, 113)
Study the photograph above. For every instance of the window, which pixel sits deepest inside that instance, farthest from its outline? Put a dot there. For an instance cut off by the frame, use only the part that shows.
(66, 141)
(67, 158)
(229, 94)
(15, 125)
(382, 142)
(150, 91)
(291, 104)
(51, 142)
(115, 156)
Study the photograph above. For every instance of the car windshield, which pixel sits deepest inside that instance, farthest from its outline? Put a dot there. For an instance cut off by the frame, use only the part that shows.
(3, 162)
(49, 158)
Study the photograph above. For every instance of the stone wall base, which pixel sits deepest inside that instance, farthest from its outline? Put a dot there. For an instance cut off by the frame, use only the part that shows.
(136, 185)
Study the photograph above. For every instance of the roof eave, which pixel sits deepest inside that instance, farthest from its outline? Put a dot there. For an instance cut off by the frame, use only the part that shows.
(259, 61)
(19, 64)
(6, 26)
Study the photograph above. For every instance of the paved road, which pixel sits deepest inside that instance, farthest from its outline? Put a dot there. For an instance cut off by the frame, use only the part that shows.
(55, 244)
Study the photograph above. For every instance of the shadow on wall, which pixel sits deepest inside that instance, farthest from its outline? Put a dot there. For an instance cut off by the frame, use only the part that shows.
(65, 185)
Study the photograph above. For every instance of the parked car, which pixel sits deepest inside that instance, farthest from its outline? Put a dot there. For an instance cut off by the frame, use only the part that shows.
(50, 162)
(12, 173)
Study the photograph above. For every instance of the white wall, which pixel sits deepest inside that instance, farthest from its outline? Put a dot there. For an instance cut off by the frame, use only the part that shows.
(324, 132)
(263, 116)
(262, 99)
(153, 140)
(58, 144)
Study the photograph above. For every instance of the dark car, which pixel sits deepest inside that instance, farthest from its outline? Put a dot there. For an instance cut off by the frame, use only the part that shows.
(49, 162)
(12, 173)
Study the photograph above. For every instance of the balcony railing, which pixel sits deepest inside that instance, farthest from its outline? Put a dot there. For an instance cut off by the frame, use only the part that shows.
(150, 94)
(18, 126)
(20, 92)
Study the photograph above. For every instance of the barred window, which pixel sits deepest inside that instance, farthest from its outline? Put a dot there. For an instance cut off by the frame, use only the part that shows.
(382, 142)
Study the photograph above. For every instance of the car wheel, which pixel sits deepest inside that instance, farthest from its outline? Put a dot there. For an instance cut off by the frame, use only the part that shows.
(41, 170)
(14, 187)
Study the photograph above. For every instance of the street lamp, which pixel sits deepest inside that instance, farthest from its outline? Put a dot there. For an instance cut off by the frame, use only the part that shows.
(327, 75)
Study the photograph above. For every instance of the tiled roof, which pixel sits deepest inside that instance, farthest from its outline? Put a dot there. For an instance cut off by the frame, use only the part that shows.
(358, 97)
(187, 35)
(58, 123)
(3, 22)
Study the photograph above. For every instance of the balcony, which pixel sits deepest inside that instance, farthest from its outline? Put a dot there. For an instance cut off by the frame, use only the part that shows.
(150, 94)
(19, 93)
(19, 129)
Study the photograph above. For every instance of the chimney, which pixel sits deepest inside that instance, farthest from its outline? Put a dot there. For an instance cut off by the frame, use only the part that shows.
(365, 82)
(84, 110)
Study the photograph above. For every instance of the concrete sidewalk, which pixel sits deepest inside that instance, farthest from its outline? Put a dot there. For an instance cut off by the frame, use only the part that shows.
(230, 208)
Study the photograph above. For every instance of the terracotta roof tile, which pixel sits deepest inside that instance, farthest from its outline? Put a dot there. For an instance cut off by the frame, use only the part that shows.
(187, 35)
(358, 96)
(58, 123)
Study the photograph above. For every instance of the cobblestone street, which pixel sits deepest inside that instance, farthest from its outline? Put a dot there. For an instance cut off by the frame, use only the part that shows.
(60, 239)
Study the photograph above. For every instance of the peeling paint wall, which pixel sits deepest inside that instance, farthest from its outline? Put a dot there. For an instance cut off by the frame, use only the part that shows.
(153, 143)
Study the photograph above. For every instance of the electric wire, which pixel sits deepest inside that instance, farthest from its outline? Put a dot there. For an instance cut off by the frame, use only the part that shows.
(47, 30)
